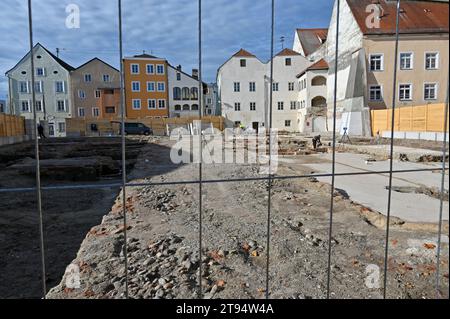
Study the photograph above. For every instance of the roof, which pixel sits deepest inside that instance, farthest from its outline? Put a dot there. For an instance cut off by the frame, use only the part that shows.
(244, 53)
(319, 65)
(416, 16)
(100, 60)
(186, 74)
(64, 64)
(145, 56)
(312, 39)
(287, 52)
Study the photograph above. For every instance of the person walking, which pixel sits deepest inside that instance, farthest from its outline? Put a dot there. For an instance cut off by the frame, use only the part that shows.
(40, 129)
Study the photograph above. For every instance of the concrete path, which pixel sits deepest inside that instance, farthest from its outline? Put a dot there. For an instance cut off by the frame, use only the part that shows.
(370, 190)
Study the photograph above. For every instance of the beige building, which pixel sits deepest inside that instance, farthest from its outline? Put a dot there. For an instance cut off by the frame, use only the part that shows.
(90, 82)
(366, 58)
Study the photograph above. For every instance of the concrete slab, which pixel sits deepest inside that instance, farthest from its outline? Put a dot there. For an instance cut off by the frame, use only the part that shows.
(370, 190)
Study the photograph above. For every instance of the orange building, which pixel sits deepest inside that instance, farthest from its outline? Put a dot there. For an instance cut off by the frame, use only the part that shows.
(146, 87)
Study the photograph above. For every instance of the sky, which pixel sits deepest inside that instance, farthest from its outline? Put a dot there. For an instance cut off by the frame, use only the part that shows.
(164, 28)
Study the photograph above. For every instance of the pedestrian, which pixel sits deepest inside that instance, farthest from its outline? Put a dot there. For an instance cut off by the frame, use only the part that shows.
(316, 142)
(40, 129)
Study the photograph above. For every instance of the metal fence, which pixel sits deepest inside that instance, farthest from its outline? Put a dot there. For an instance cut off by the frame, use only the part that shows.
(38, 189)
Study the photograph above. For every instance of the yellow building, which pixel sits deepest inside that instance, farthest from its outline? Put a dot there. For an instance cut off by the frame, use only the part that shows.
(146, 87)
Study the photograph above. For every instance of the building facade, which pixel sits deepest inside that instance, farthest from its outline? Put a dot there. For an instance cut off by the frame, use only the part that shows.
(366, 58)
(244, 90)
(146, 87)
(52, 88)
(183, 92)
(211, 100)
(312, 83)
(89, 82)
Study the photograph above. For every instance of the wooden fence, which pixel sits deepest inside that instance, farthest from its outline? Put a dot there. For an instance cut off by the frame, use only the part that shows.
(11, 125)
(83, 127)
(422, 118)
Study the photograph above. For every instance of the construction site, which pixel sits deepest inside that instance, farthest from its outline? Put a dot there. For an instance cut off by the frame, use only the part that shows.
(83, 225)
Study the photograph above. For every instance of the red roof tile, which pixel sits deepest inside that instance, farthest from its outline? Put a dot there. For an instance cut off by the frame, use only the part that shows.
(243, 53)
(287, 52)
(415, 17)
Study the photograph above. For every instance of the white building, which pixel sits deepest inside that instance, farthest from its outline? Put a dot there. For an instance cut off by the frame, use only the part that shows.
(3, 106)
(52, 88)
(183, 92)
(244, 90)
(312, 83)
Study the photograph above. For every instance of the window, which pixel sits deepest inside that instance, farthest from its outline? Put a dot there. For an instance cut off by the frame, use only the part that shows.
(237, 86)
(95, 112)
(194, 93)
(97, 94)
(376, 62)
(134, 68)
(106, 78)
(38, 87)
(406, 61)
(135, 86)
(151, 87)
(375, 93)
(431, 61)
(38, 106)
(275, 87)
(136, 104)
(209, 101)
(194, 107)
(150, 69)
(81, 94)
(61, 106)
(237, 123)
(40, 72)
(87, 78)
(291, 86)
(23, 87)
(252, 87)
(430, 91)
(405, 92)
(161, 86)
(178, 107)
(110, 110)
(160, 69)
(25, 106)
(161, 104)
(209, 111)
(252, 106)
(237, 106)
(62, 127)
(280, 106)
(293, 105)
(59, 87)
(288, 61)
(176, 93)
(178, 76)
(81, 112)
(243, 63)
(185, 93)
(287, 123)
(151, 104)
(186, 107)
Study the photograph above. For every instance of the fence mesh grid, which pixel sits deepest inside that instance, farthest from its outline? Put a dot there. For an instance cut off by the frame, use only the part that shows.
(269, 178)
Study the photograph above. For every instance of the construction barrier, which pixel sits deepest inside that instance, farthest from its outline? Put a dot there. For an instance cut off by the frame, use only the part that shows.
(422, 118)
(88, 127)
(11, 125)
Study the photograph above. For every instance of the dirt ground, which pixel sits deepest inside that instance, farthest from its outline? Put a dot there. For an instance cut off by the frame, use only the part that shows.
(163, 240)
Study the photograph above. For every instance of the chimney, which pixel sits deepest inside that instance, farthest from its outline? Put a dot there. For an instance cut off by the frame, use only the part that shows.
(179, 67)
(195, 73)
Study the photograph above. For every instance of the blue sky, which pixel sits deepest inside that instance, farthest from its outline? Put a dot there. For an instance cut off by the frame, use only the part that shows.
(165, 28)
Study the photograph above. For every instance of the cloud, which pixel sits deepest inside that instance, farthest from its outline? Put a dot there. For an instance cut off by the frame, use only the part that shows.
(166, 28)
